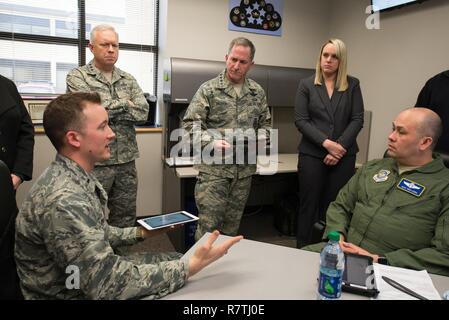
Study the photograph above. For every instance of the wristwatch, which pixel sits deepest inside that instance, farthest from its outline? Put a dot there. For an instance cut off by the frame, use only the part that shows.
(382, 260)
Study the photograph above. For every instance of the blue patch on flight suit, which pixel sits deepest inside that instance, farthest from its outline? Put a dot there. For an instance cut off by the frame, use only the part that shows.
(411, 187)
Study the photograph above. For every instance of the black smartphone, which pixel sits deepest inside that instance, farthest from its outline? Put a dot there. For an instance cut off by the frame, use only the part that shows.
(358, 276)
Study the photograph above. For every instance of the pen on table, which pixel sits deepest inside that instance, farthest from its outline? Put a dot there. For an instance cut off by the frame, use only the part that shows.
(402, 288)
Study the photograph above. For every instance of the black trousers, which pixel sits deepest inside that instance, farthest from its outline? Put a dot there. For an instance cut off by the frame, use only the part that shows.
(319, 185)
(9, 280)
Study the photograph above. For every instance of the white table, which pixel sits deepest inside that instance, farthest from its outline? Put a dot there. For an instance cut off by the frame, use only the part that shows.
(255, 270)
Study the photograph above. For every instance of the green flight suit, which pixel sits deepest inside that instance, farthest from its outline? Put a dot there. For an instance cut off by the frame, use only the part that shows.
(411, 231)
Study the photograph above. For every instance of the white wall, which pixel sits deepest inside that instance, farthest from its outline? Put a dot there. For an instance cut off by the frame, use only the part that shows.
(198, 29)
(392, 63)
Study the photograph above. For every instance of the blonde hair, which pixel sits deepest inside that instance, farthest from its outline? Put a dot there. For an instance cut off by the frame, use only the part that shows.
(342, 75)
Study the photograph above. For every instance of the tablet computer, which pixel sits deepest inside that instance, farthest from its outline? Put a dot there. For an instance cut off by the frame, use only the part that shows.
(166, 220)
(358, 276)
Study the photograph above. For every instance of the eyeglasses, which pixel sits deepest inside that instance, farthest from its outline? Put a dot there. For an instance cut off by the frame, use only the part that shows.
(107, 45)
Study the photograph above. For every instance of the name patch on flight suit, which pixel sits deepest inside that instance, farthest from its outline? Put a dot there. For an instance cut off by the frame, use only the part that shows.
(411, 187)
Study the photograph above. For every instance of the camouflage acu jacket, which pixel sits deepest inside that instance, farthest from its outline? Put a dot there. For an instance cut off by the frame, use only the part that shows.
(115, 97)
(61, 228)
(217, 106)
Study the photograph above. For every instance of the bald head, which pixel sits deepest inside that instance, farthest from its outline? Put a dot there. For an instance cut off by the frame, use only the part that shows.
(414, 136)
(427, 123)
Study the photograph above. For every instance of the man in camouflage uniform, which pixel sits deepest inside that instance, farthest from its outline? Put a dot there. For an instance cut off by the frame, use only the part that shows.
(126, 106)
(230, 101)
(64, 246)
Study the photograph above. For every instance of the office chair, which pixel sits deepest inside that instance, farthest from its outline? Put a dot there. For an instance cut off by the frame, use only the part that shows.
(10, 288)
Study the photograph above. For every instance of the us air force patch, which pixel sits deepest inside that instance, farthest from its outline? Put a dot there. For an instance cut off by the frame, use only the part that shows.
(381, 176)
(411, 187)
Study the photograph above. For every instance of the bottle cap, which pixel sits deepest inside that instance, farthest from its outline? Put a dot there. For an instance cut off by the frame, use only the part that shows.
(334, 236)
(446, 295)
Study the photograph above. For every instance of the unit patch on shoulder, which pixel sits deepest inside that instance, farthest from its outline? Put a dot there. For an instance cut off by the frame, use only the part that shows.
(381, 176)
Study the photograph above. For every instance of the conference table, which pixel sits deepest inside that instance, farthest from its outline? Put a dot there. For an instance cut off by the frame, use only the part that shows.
(253, 270)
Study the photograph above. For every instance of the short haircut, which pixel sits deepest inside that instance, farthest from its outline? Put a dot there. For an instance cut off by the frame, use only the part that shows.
(430, 125)
(342, 74)
(66, 113)
(243, 42)
(101, 27)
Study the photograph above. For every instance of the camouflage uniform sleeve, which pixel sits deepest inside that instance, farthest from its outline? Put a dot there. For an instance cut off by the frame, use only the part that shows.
(264, 118)
(122, 236)
(119, 109)
(115, 107)
(195, 118)
(75, 82)
(72, 239)
(137, 113)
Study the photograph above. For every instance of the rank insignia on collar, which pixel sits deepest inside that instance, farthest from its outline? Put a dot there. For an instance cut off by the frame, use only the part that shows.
(411, 187)
(381, 176)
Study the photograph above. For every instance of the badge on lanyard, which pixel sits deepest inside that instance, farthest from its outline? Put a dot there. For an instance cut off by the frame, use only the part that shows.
(381, 176)
(411, 187)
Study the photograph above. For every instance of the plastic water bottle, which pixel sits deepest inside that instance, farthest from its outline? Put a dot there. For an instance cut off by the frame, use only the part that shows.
(332, 264)
(446, 295)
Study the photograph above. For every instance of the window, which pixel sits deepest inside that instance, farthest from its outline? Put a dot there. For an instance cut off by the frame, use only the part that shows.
(61, 73)
(26, 70)
(21, 24)
(41, 41)
(69, 29)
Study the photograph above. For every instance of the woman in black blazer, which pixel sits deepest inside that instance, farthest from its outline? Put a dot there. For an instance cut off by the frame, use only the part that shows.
(329, 114)
(16, 151)
(16, 133)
